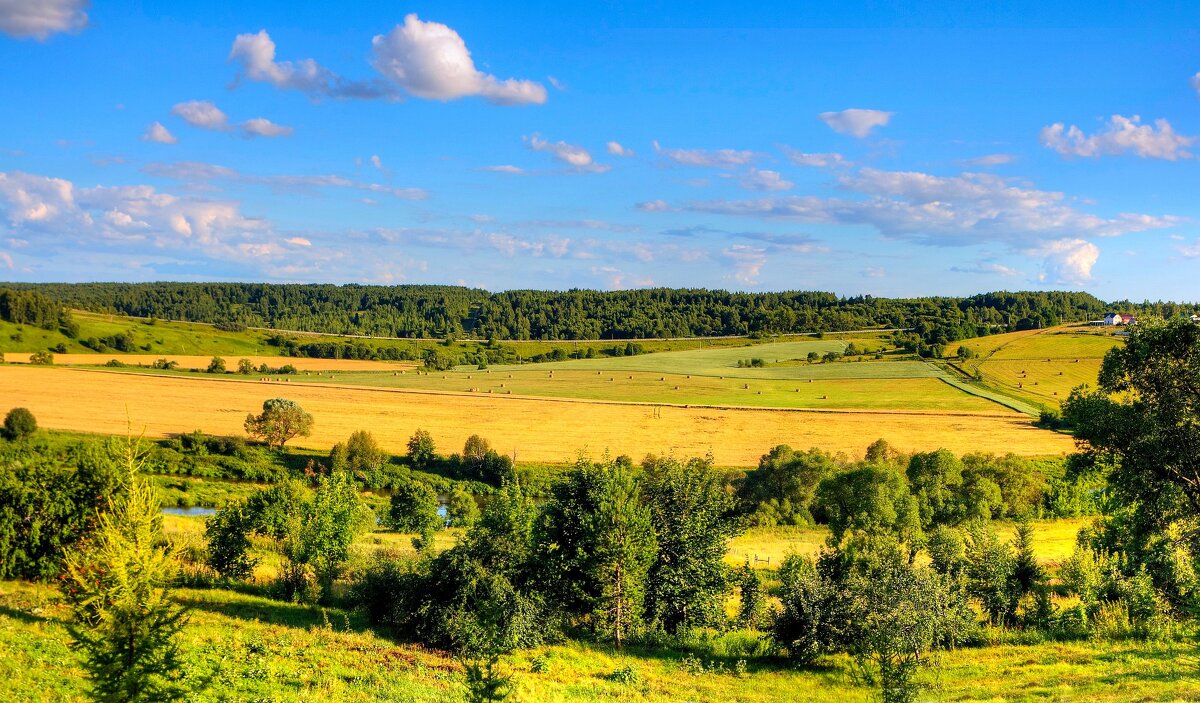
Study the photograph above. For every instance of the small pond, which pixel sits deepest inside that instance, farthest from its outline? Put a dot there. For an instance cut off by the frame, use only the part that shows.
(189, 512)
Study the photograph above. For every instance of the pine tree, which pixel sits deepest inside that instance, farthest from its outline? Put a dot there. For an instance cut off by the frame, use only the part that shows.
(118, 585)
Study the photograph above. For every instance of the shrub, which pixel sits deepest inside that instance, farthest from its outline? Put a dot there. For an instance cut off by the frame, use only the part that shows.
(41, 358)
(19, 423)
(217, 365)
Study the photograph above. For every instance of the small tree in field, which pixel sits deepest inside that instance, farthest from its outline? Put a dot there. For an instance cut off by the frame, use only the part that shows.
(19, 423)
(421, 450)
(280, 421)
(117, 583)
(217, 365)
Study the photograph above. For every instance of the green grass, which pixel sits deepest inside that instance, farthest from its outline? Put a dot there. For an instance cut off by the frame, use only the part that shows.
(254, 649)
(1040, 367)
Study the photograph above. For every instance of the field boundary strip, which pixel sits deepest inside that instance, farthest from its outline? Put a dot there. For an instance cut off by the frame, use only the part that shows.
(549, 399)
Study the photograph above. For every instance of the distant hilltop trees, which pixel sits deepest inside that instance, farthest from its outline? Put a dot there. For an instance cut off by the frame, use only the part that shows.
(451, 311)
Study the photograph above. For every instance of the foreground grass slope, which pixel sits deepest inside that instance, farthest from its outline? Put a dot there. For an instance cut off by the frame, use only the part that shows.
(253, 649)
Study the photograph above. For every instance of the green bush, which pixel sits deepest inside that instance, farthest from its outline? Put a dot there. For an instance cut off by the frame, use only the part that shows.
(19, 423)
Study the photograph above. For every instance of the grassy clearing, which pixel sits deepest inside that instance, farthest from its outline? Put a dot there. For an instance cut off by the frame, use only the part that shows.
(257, 649)
(537, 430)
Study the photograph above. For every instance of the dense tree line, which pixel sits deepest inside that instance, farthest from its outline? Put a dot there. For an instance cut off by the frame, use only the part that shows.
(30, 307)
(440, 311)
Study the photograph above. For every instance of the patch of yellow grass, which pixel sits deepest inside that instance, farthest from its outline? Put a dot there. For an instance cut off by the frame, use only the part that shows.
(535, 429)
(194, 361)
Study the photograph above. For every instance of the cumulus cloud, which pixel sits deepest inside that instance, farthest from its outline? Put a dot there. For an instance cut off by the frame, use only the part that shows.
(817, 160)
(256, 54)
(262, 127)
(755, 179)
(199, 173)
(39, 19)
(202, 114)
(616, 149)
(56, 209)
(1121, 135)
(1067, 261)
(430, 60)
(719, 158)
(157, 133)
(576, 157)
(856, 122)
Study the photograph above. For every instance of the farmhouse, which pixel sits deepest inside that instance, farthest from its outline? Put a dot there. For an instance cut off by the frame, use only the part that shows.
(1116, 318)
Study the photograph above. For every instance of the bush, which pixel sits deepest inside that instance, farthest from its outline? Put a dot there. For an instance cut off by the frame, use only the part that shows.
(414, 508)
(19, 423)
(217, 365)
(41, 358)
(422, 452)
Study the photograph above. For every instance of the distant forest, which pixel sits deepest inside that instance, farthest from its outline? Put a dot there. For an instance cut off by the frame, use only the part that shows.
(450, 311)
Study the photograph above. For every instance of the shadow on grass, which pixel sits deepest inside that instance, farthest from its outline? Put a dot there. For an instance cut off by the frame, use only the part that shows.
(258, 609)
(23, 616)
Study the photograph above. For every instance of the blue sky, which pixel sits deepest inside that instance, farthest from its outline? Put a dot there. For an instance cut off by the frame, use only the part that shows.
(883, 148)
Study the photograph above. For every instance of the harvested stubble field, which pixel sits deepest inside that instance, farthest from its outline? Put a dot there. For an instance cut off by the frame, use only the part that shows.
(536, 429)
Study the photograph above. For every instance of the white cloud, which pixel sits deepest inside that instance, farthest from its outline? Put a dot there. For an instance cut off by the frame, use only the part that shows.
(198, 173)
(256, 54)
(954, 210)
(377, 162)
(299, 242)
(262, 127)
(575, 156)
(1068, 261)
(41, 18)
(156, 132)
(557, 84)
(1121, 135)
(991, 160)
(616, 149)
(7, 259)
(817, 160)
(874, 272)
(202, 114)
(969, 209)
(653, 206)
(747, 261)
(505, 168)
(63, 215)
(1190, 251)
(719, 158)
(765, 180)
(430, 60)
(856, 122)
(983, 267)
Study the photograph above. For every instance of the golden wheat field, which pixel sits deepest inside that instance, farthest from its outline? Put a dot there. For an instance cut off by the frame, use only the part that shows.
(536, 429)
(193, 361)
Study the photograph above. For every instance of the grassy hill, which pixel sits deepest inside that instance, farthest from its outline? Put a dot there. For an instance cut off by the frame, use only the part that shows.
(1040, 366)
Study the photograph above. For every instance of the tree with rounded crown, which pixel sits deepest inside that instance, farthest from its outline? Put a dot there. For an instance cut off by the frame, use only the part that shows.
(280, 421)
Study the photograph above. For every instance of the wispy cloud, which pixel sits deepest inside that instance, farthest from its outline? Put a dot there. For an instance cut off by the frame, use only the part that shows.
(194, 172)
(717, 158)
(578, 158)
